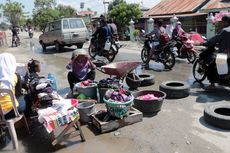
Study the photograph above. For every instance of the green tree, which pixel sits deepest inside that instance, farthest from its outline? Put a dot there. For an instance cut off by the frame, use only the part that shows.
(123, 13)
(44, 16)
(44, 4)
(66, 11)
(13, 11)
(114, 3)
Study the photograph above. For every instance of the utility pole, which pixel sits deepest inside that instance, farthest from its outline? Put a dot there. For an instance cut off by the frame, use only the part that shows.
(105, 2)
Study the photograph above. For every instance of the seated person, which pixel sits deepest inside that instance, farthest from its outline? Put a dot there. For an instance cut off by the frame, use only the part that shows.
(33, 69)
(32, 74)
(9, 80)
(82, 68)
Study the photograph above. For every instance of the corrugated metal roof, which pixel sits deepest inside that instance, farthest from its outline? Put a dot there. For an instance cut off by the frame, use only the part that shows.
(168, 7)
(180, 15)
(217, 4)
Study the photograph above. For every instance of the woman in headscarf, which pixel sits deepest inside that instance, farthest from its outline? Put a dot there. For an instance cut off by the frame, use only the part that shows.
(178, 31)
(9, 80)
(82, 68)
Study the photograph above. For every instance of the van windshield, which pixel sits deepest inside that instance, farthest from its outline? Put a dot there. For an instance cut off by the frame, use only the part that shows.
(76, 23)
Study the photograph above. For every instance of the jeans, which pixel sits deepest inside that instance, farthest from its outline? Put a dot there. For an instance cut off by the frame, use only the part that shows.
(72, 78)
(21, 108)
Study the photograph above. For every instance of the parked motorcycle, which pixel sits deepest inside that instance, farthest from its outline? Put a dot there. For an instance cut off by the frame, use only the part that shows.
(200, 67)
(184, 48)
(98, 49)
(31, 33)
(162, 54)
(15, 41)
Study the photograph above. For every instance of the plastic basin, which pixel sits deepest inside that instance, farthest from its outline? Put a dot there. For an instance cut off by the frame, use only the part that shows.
(90, 91)
(149, 106)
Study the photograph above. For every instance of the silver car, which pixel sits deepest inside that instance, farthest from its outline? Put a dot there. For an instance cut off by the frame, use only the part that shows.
(64, 32)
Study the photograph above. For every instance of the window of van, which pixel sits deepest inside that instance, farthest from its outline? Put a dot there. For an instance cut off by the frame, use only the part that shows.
(47, 28)
(55, 26)
(76, 23)
(65, 24)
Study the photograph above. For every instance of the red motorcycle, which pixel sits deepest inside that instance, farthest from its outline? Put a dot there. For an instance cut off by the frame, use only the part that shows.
(184, 48)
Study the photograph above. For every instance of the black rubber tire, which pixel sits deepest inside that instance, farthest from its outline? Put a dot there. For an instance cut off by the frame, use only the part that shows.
(43, 46)
(111, 55)
(191, 56)
(92, 54)
(175, 89)
(144, 55)
(147, 79)
(58, 46)
(218, 115)
(133, 81)
(80, 45)
(169, 57)
(194, 72)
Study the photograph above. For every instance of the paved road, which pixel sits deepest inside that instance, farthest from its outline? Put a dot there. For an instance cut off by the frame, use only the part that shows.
(178, 128)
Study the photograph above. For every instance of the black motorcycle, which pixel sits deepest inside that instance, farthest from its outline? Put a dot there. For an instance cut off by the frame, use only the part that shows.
(95, 48)
(31, 33)
(116, 44)
(161, 54)
(200, 66)
(15, 41)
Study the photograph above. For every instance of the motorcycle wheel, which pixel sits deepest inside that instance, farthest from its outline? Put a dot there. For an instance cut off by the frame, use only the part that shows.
(144, 55)
(198, 71)
(191, 56)
(111, 54)
(92, 52)
(169, 59)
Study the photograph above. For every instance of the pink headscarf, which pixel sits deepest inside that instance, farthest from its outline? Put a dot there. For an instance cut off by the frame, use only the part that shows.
(179, 29)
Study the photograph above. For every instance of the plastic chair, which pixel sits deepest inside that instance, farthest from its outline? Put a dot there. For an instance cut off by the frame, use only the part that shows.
(10, 122)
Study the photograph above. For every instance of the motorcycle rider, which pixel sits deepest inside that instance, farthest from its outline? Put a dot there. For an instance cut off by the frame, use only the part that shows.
(15, 34)
(177, 31)
(157, 32)
(113, 27)
(102, 34)
(222, 39)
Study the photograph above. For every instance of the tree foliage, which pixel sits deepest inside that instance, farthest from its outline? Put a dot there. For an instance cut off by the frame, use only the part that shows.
(123, 13)
(44, 4)
(45, 15)
(13, 11)
(66, 11)
(48, 11)
(114, 3)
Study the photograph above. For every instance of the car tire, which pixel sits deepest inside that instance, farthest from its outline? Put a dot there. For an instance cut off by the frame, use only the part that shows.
(175, 89)
(218, 115)
(147, 79)
(43, 46)
(80, 45)
(58, 46)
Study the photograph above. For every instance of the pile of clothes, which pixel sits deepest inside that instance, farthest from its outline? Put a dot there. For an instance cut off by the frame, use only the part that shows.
(42, 93)
(118, 95)
(148, 97)
(111, 83)
(86, 83)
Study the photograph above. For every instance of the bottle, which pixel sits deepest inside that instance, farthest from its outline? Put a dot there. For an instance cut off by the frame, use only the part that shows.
(53, 81)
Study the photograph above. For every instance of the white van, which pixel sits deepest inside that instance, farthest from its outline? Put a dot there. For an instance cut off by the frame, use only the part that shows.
(64, 32)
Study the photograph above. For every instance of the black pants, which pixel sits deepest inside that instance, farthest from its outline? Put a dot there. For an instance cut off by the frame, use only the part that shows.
(72, 78)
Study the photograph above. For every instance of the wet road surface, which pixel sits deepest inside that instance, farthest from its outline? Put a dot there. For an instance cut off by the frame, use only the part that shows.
(178, 128)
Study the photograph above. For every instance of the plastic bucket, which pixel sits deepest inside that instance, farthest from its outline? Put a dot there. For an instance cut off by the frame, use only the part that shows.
(86, 109)
(90, 91)
(149, 106)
